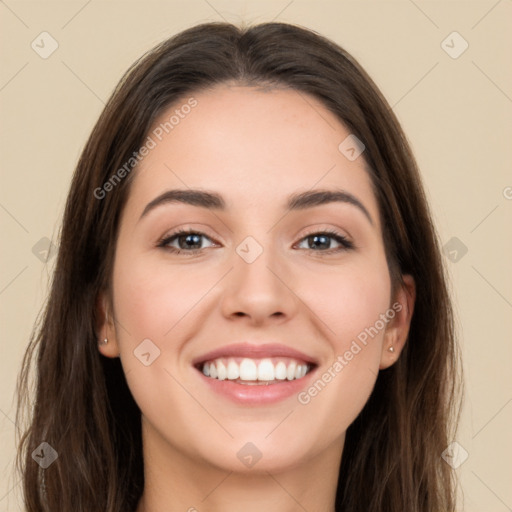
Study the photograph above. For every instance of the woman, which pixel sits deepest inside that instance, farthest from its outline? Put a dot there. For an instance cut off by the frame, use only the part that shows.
(249, 308)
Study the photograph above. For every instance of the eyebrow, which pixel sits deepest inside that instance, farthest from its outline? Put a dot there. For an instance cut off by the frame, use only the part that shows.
(214, 201)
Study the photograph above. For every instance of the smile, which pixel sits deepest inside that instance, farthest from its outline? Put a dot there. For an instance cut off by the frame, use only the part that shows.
(250, 374)
(251, 371)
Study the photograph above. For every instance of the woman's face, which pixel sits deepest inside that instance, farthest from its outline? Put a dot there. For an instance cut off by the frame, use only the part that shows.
(275, 280)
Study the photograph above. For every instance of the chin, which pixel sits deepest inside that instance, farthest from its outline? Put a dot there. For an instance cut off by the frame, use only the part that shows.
(257, 456)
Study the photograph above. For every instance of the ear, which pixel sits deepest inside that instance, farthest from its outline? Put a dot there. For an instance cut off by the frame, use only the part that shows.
(105, 327)
(397, 329)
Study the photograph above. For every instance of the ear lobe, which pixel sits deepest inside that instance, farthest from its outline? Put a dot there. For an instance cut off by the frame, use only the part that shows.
(105, 328)
(397, 330)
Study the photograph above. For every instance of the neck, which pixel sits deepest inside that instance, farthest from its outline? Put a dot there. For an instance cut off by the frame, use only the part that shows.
(177, 482)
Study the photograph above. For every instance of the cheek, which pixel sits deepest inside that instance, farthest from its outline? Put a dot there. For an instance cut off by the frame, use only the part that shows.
(151, 297)
(157, 301)
(350, 300)
(350, 304)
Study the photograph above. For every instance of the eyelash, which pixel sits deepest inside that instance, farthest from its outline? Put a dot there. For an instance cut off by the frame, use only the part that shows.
(343, 241)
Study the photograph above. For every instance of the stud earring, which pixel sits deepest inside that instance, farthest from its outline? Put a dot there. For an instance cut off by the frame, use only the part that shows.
(104, 342)
(391, 349)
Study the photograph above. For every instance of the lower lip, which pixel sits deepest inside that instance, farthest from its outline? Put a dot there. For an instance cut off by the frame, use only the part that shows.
(259, 394)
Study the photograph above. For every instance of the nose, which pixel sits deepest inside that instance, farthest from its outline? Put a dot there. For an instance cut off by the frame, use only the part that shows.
(259, 292)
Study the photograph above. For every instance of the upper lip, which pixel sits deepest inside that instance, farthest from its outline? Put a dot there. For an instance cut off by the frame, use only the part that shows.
(255, 351)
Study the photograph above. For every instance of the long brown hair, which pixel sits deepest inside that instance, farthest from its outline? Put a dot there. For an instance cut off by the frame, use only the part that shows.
(82, 405)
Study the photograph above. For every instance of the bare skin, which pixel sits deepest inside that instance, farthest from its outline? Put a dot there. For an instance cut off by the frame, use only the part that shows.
(255, 149)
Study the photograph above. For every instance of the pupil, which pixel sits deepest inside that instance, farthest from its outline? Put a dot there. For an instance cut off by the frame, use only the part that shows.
(191, 240)
(319, 241)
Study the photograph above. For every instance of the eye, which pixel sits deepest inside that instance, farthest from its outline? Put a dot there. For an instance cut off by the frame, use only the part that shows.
(322, 242)
(187, 241)
(184, 241)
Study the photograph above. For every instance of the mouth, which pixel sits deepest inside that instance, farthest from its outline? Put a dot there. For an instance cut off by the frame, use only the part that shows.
(255, 374)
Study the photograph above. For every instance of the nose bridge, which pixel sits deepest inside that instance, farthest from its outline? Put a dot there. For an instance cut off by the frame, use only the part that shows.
(256, 288)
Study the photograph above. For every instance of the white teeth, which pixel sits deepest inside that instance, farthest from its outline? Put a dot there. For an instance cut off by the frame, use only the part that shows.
(221, 371)
(290, 373)
(252, 371)
(266, 370)
(233, 370)
(248, 370)
(280, 371)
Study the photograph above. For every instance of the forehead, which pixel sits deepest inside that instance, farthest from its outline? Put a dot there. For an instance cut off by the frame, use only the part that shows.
(251, 145)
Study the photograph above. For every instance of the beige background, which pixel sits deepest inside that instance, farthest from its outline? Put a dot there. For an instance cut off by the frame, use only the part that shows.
(456, 112)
